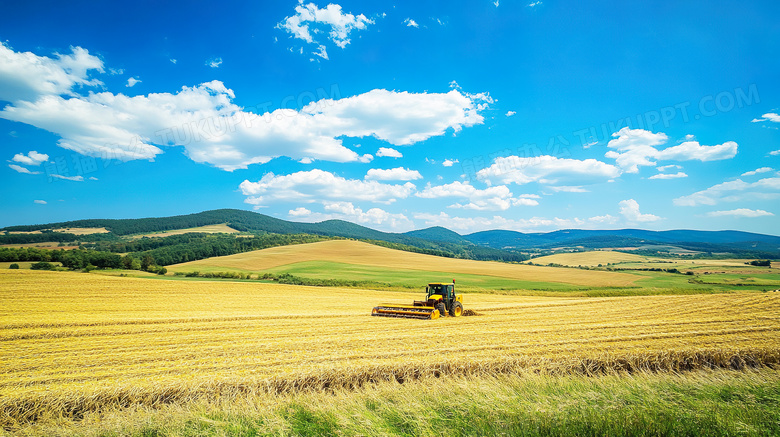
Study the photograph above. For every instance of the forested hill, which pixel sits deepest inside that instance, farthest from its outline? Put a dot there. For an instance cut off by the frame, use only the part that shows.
(251, 222)
(494, 244)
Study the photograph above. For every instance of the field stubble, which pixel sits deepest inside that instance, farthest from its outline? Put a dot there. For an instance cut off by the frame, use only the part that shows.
(77, 343)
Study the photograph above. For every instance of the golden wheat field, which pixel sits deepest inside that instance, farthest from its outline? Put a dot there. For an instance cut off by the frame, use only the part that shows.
(590, 258)
(74, 342)
(365, 254)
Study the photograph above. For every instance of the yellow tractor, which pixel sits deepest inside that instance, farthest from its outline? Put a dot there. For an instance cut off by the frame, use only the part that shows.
(440, 300)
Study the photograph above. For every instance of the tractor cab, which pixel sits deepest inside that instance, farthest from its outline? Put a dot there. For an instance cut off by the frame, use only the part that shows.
(446, 291)
(443, 298)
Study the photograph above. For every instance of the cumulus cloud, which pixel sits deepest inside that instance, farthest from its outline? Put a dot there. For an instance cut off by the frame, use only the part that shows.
(630, 210)
(449, 162)
(316, 185)
(757, 171)
(637, 147)
(775, 152)
(547, 169)
(770, 116)
(340, 210)
(26, 76)
(131, 81)
(374, 216)
(40, 202)
(309, 22)
(740, 212)
(510, 113)
(475, 224)
(677, 175)
(389, 152)
(32, 158)
(669, 167)
(411, 23)
(21, 169)
(205, 121)
(393, 174)
(299, 212)
(497, 198)
(214, 130)
(731, 191)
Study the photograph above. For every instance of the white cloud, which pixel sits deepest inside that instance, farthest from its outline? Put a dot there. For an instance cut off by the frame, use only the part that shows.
(393, 174)
(449, 162)
(317, 185)
(669, 167)
(569, 189)
(40, 202)
(374, 217)
(26, 76)
(212, 129)
(474, 224)
(677, 175)
(32, 158)
(173, 61)
(68, 178)
(636, 147)
(310, 21)
(534, 4)
(732, 191)
(757, 171)
(132, 81)
(692, 150)
(771, 116)
(603, 219)
(299, 212)
(547, 169)
(630, 210)
(775, 152)
(740, 212)
(389, 152)
(21, 169)
(497, 198)
(411, 23)
(510, 113)
(214, 62)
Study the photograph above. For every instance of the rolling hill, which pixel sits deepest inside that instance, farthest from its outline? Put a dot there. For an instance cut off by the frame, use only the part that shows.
(486, 245)
(337, 257)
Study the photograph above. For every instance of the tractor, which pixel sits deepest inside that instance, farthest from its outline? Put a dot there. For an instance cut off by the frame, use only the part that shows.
(440, 301)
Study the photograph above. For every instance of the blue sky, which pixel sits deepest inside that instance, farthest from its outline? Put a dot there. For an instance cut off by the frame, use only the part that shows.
(473, 115)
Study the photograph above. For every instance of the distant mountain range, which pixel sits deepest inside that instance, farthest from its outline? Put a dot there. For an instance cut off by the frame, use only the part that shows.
(494, 244)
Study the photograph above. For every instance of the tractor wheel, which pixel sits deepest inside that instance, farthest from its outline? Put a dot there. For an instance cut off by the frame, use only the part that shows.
(442, 309)
(457, 309)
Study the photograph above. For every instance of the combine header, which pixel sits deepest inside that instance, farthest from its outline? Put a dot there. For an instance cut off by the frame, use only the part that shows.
(440, 300)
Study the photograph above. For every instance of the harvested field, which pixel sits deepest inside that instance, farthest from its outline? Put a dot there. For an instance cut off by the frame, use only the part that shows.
(359, 253)
(590, 258)
(207, 229)
(74, 343)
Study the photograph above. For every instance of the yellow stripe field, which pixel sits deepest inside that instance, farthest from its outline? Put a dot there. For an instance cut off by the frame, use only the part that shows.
(73, 343)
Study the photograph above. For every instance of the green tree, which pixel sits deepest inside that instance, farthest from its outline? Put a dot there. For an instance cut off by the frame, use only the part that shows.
(14, 266)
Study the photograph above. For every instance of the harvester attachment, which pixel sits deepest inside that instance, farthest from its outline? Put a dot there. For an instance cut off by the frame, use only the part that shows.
(406, 311)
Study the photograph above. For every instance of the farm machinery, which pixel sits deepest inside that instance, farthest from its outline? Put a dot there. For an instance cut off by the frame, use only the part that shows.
(440, 300)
